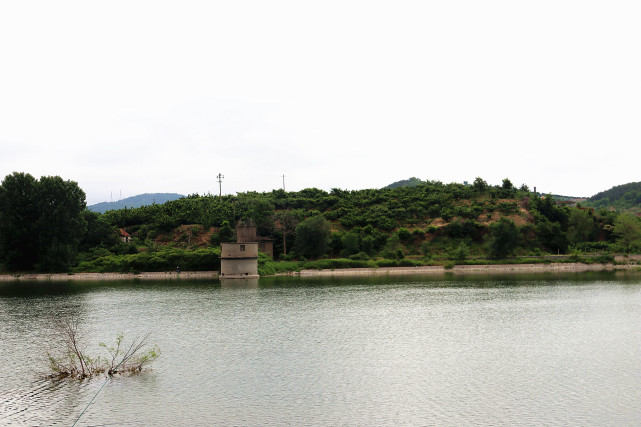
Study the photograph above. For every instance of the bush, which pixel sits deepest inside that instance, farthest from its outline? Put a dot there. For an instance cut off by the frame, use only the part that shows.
(404, 234)
(398, 263)
(166, 259)
(361, 256)
(333, 264)
(604, 259)
(460, 252)
(425, 248)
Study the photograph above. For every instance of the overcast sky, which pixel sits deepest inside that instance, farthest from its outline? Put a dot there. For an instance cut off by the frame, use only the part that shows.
(130, 97)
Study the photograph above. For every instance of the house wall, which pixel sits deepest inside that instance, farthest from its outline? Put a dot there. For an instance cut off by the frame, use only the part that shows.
(239, 260)
(239, 250)
(267, 246)
(240, 268)
(246, 233)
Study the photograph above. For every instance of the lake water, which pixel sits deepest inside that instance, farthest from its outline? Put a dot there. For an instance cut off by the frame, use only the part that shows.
(526, 350)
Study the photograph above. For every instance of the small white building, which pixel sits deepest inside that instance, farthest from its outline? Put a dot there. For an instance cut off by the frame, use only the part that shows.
(124, 236)
(239, 260)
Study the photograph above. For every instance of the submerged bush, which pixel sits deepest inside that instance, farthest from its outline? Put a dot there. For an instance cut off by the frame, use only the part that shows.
(73, 362)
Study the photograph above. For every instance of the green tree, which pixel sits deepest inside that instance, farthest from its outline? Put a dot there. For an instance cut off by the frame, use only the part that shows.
(312, 237)
(507, 189)
(226, 233)
(628, 228)
(99, 232)
(505, 238)
(404, 234)
(551, 235)
(460, 252)
(41, 222)
(582, 226)
(350, 244)
(480, 185)
(18, 214)
(286, 222)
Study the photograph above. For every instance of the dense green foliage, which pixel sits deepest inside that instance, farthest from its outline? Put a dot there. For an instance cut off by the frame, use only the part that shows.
(164, 259)
(620, 197)
(41, 222)
(505, 238)
(313, 237)
(430, 222)
(628, 228)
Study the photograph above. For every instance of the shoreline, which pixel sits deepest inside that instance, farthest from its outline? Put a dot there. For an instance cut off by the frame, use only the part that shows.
(381, 271)
(63, 277)
(469, 269)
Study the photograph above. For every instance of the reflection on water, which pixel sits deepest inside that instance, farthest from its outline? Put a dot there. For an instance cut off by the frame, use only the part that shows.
(381, 351)
(239, 283)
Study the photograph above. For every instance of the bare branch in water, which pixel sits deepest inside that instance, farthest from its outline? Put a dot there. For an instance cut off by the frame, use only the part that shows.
(75, 363)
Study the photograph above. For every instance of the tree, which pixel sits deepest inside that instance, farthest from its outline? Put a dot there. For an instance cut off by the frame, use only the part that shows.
(41, 222)
(505, 238)
(312, 237)
(225, 233)
(350, 244)
(286, 221)
(480, 185)
(628, 228)
(61, 225)
(507, 185)
(460, 251)
(18, 214)
(507, 189)
(550, 234)
(582, 226)
(99, 232)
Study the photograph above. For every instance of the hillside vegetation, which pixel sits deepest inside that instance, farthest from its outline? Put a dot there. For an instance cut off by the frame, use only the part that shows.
(424, 223)
(420, 223)
(626, 197)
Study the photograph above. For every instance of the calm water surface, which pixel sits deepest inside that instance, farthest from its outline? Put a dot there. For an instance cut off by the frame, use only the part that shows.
(562, 350)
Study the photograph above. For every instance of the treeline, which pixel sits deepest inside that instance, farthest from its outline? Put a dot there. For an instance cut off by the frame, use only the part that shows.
(425, 222)
(419, 223)
(621, 197)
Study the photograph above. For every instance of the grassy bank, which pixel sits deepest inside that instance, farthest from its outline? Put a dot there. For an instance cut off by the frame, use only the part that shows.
(268, 267)
(164, 259)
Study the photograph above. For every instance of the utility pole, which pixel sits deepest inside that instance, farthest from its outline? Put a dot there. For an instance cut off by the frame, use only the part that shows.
(220, 185)
(283, 182)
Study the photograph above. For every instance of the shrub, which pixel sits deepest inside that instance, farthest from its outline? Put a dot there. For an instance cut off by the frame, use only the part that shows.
(361, 256)
(404, 234)
(460, 252)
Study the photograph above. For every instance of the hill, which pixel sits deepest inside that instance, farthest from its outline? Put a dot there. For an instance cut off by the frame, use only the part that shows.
(135, 201)
(411, 182)
(401, 226)
(626, 197)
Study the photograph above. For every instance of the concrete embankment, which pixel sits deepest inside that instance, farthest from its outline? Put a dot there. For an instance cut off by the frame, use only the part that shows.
(381, 271)
(470, 269)
(112, 276)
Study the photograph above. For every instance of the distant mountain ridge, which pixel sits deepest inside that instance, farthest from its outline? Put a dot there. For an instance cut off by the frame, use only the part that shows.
(135, 201)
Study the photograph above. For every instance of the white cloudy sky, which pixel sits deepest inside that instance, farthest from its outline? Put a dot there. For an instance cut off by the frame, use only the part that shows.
(128, 97)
